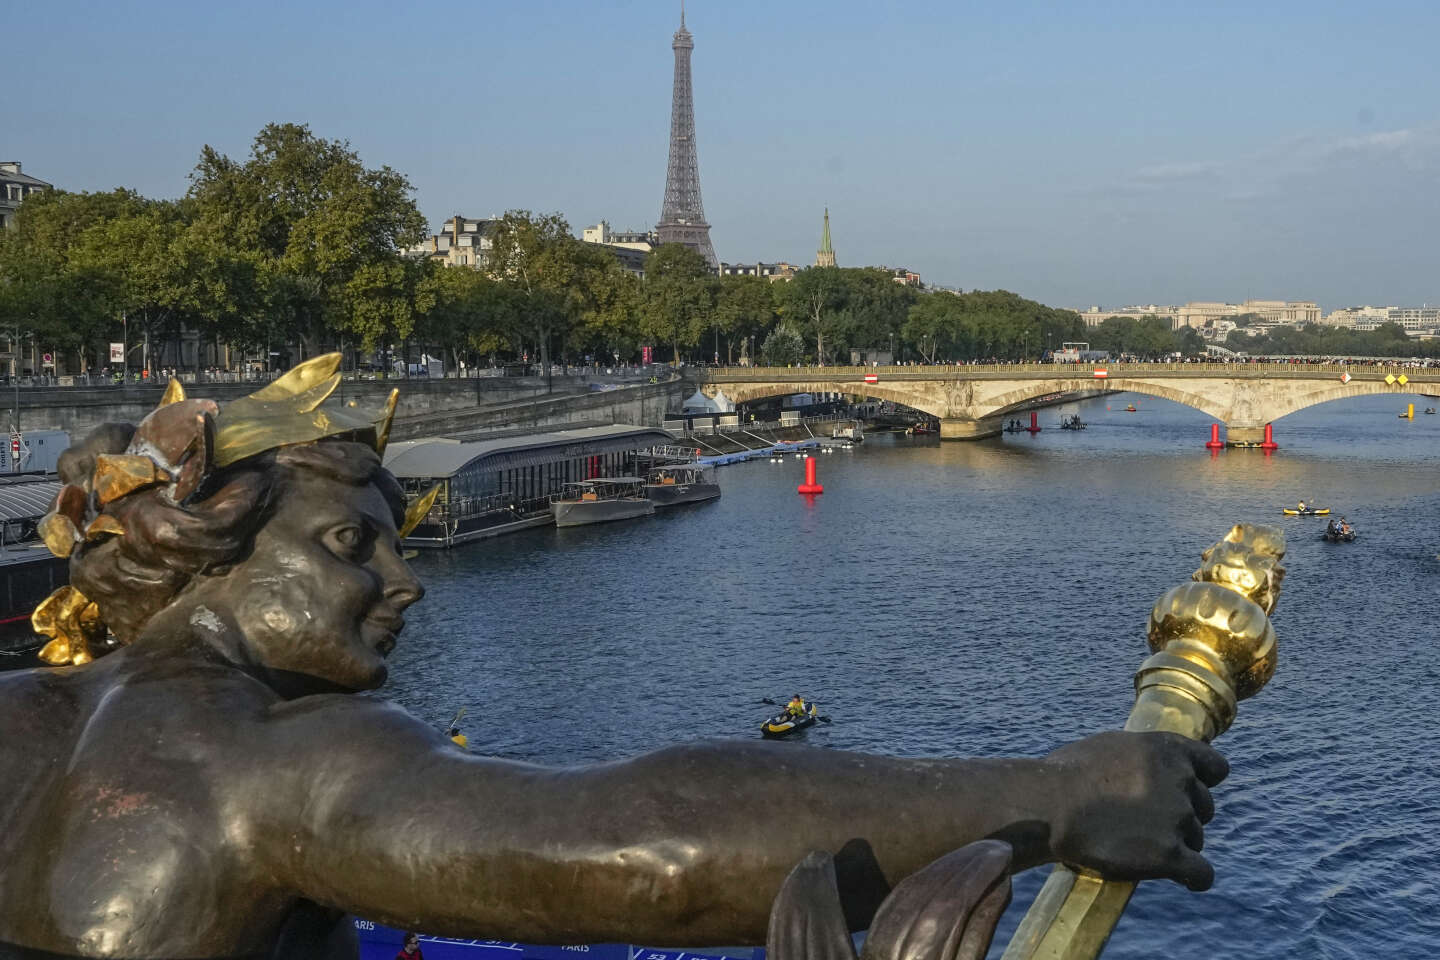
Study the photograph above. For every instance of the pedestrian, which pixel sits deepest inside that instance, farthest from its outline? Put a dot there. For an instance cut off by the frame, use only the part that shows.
(411, 949)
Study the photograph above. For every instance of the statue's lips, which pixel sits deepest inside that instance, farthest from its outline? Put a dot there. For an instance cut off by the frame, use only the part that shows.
(389, 628)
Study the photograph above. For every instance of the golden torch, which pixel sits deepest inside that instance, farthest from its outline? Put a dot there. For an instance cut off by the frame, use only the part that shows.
(1212, 646)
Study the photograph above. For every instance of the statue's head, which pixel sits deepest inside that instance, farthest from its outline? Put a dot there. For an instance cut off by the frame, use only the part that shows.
(268, 524)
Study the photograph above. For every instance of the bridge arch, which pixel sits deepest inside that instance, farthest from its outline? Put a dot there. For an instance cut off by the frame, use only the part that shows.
(895, 392)
(1165, 390)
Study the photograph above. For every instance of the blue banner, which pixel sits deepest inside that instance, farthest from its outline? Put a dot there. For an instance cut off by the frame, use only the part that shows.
(589, 951)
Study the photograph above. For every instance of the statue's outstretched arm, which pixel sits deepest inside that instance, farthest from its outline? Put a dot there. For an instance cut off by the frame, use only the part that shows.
(686, 845)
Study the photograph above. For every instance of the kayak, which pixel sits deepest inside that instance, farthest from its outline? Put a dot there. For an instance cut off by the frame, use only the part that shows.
(1307, 512)
(1335, 536)
(782, 725)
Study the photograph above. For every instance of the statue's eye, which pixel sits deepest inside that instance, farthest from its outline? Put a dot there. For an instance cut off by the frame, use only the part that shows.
(349, 541)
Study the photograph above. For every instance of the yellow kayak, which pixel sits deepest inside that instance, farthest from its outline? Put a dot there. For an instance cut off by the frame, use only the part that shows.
(1307, 512)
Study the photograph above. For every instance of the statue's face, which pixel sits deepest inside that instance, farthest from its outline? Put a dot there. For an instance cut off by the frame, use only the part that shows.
(322, 593)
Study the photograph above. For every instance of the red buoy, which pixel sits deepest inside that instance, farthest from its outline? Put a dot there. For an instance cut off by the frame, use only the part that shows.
(1034, 427)
(1214, 443)
(1269, 443)
(809, 486)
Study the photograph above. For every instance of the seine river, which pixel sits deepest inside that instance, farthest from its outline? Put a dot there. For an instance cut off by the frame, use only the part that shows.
(989, 599)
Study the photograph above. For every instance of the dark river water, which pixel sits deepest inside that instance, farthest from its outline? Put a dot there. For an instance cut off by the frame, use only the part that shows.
(1001, 589)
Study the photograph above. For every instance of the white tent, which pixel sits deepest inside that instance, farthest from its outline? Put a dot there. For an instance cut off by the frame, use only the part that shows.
(699, 403)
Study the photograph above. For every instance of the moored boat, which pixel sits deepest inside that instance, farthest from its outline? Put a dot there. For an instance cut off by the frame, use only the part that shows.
(601, 500)
(680, 483)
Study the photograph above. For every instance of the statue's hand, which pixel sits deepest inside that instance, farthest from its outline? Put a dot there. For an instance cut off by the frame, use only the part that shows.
(1131, 806)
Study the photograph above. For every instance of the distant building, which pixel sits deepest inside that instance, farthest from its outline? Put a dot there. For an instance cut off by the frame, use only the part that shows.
(631, 260)
(15, 187)
(1095, 316)
(1358, 318)
(462, 242)
(908, 278)
(825, 256)
(642, 240)
(770, 271)
(1200, 313)
(1416, 321)
(1284, 312)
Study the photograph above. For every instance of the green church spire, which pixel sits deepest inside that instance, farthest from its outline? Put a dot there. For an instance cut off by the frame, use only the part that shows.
(825, 257)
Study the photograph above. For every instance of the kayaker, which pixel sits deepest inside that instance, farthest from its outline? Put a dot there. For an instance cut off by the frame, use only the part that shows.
(796, 706)
(1301, 506)
(460, 739)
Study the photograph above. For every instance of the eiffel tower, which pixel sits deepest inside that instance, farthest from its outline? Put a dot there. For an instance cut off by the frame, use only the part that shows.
(682, 216)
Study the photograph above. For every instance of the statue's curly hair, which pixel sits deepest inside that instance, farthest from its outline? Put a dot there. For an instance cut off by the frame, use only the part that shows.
(166, 544)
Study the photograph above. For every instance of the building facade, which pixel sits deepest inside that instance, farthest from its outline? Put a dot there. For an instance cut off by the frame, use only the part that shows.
(642, 240)
(1416, 321)
(462, 242)
(1095, 316)
(770, 271)
(15, 186)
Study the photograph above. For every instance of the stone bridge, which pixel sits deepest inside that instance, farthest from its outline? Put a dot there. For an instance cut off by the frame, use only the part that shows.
(973, 401)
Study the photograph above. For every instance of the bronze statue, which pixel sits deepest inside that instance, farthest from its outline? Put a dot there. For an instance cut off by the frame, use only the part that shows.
(196, 779)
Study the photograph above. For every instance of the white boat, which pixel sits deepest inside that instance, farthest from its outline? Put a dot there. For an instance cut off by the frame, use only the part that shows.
(681, 483)
(600, 501)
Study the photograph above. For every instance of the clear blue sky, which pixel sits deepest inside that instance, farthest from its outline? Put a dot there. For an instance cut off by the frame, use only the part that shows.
(1078, 153)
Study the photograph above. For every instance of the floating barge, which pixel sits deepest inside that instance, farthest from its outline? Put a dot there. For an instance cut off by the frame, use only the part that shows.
(496, 486)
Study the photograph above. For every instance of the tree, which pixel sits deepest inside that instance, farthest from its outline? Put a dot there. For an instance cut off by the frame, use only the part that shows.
(813, 302)
(469, 311)
(324, 236)
(543, 265)
(784, 346)
(679, 296)
(744, 308)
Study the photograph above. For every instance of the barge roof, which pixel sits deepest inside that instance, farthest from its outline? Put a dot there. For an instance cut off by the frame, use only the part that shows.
(439, 457)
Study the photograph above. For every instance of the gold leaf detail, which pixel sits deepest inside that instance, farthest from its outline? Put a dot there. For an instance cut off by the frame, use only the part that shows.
(102, 525)
(382, 428)
(174, 393)
(73, 621)
(299, 379)
(59, 534)
(417, 510)
(56, 652)
(117, 474)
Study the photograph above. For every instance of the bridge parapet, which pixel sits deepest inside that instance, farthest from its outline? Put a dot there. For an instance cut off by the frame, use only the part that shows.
(1242, 371)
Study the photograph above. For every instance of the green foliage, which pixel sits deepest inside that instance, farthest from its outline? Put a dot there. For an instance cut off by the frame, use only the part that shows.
(1318, 340)
(321, 237)
(982, 325)
(783, 346)
(679, 295)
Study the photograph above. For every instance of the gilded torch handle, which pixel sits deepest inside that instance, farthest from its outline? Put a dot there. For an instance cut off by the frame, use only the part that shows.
(1212, 645)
